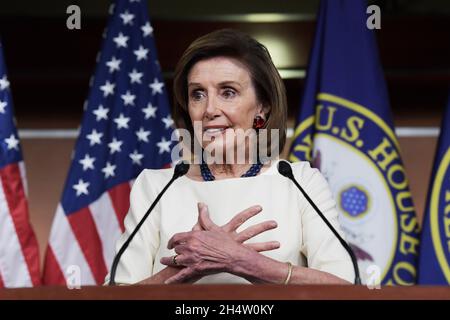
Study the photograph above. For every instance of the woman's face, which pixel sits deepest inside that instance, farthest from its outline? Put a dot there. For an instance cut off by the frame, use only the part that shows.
(222, 99)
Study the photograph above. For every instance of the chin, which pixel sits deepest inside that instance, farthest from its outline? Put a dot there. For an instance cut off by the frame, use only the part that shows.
(220, 150)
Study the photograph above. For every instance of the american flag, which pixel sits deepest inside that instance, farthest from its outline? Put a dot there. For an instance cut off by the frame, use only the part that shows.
(126, 127)
(19, 253)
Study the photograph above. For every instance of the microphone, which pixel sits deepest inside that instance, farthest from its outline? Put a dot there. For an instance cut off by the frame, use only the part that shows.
(284, 168)
(180, 170)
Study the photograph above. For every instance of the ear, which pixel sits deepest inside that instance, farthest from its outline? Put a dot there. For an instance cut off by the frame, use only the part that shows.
(262, 111)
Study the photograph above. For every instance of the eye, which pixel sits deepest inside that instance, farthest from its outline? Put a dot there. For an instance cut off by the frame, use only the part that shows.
(229, 93)
(196, 95)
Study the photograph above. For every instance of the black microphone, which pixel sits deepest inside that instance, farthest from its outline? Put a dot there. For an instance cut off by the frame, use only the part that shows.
(284, 168)
(180, 170)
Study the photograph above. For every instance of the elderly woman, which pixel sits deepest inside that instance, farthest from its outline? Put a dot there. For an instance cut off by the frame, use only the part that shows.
(225, 221)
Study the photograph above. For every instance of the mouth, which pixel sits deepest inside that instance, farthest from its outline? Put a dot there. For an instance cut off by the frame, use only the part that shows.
(215, 130)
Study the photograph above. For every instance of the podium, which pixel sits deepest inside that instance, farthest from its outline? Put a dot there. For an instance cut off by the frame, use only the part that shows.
(228, 292)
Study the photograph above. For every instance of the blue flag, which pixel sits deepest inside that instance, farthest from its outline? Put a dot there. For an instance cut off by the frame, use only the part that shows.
(434, 261)
(126, 128)
(345, 129)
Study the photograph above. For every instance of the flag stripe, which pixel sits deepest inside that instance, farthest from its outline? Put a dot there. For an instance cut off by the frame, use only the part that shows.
(23, 175)
(17, 202)
(107, 225)
(66, 250)
(18, 198)
(52, 271)
(18, 209)
(12, 262)
(120, 197)
(1, 281)
(86, 232)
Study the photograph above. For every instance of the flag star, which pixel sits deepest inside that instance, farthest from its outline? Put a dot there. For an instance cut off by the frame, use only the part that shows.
(127, 18)
(3, 105)
(122, 121)
(136, 157)
(150, 111)
(114, 146)
(121, 40)
(167, 121)
(94, 137)
(142, 135)
(107, 88)
(101, 113)
(141, 53)
(114, 64)
(87, 162)
(81, 187)
(135, 76)
(156, 86)
(147, 29)
(164, 145)
(109, 170)
(4, 83)
(12, 142)
(128, 98)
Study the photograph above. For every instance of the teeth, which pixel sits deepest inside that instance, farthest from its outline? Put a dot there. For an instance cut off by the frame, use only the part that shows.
(214, 130)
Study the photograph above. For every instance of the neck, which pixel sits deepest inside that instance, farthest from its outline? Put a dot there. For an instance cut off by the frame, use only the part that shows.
(228, 170)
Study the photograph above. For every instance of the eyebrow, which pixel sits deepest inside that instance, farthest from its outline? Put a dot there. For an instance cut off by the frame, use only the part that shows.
(223, 83)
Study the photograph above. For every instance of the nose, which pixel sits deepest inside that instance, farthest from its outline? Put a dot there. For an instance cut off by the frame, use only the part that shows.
(212, 109)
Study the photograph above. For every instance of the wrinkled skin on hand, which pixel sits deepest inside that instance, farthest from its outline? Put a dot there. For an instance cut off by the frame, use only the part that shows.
(209, 248)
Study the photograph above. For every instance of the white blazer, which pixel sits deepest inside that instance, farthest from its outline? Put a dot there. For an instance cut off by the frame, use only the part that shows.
(305, 239)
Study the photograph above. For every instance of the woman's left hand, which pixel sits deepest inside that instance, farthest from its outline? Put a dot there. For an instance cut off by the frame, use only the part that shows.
(202, 253)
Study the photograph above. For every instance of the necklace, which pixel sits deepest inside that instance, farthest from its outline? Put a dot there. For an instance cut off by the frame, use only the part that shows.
(208, 176)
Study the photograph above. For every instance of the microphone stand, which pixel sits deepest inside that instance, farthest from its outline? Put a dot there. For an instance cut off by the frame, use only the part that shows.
(180, 170)
(284, 168)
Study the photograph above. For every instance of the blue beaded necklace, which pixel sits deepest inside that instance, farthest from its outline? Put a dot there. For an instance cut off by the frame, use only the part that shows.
(208, 176)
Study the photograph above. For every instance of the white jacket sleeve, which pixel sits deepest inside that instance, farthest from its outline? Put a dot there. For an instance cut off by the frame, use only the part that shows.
(320, 246)
(136, 264)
